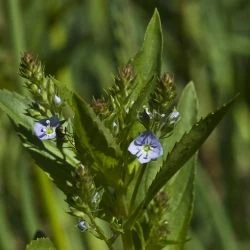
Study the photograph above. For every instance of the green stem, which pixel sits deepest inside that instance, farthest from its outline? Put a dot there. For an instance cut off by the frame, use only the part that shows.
(100, 232)
(138, 181)
(127, 241)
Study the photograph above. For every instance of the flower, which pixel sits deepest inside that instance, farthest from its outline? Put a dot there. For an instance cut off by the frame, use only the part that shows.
(83, 225)
(146, 147)
(46, 129)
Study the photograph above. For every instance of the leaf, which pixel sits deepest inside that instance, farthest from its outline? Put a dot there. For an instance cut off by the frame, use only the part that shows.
(147, 65)
(185, 148)
(147, 62)
(95, 144)
(41, 244)
(180, 189)
(57, 163)
(91, 133)
(15, 106)
(188, 109)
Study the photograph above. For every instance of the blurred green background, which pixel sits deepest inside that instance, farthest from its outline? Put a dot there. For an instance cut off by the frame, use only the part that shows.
(82, 43)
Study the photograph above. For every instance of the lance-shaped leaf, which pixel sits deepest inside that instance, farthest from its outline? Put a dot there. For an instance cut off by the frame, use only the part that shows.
(93, 139)
(57, 163)
(15, 105)
(147, 66)
(147, 62)
(185, 148)
(180, 189)
(40, 244)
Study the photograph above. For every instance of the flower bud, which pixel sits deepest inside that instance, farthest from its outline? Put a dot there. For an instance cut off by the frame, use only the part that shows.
(83, 225)
(57, 100)
(173, 117)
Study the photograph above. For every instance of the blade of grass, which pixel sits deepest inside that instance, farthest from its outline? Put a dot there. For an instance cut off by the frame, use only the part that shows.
(51, 209)
(17, 31)
(222, 227)
(6, 237)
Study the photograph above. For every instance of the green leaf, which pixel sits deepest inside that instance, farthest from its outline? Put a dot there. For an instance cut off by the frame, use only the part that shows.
(188, 109)
(147, 62)
(185, 148)
(94, 135)
(14, 105)
(147, 65)
(95, 144)
(180, 189)
(57, 163)
(91, 133)
(58, 166)
(41, 244)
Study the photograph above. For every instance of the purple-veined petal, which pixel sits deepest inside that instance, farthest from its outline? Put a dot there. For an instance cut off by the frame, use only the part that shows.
(39, 129)
(134, 149)
(154, 153)
(144, 158)
(140, 140)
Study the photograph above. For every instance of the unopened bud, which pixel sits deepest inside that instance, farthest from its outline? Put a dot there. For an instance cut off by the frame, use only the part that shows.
(83, 225)
(173, 117)
(57, 100)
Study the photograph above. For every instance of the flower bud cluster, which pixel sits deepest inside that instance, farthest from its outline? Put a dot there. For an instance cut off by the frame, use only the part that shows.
(86, 196)
(114, 106)
(46, 102)
(163, 123)
(164, 94)
(100, 107)
(158, 223)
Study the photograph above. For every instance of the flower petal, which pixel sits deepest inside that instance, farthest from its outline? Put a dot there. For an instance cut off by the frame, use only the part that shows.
(39, 129)
(154, 153)
(134, 149)
(144, 158)
(141, 139)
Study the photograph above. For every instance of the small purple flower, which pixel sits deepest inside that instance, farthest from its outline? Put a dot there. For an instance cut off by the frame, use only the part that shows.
(46, 129)
(146, 147)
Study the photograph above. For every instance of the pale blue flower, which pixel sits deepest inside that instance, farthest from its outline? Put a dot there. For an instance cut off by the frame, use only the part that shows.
(146, 147)
(46, 129)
